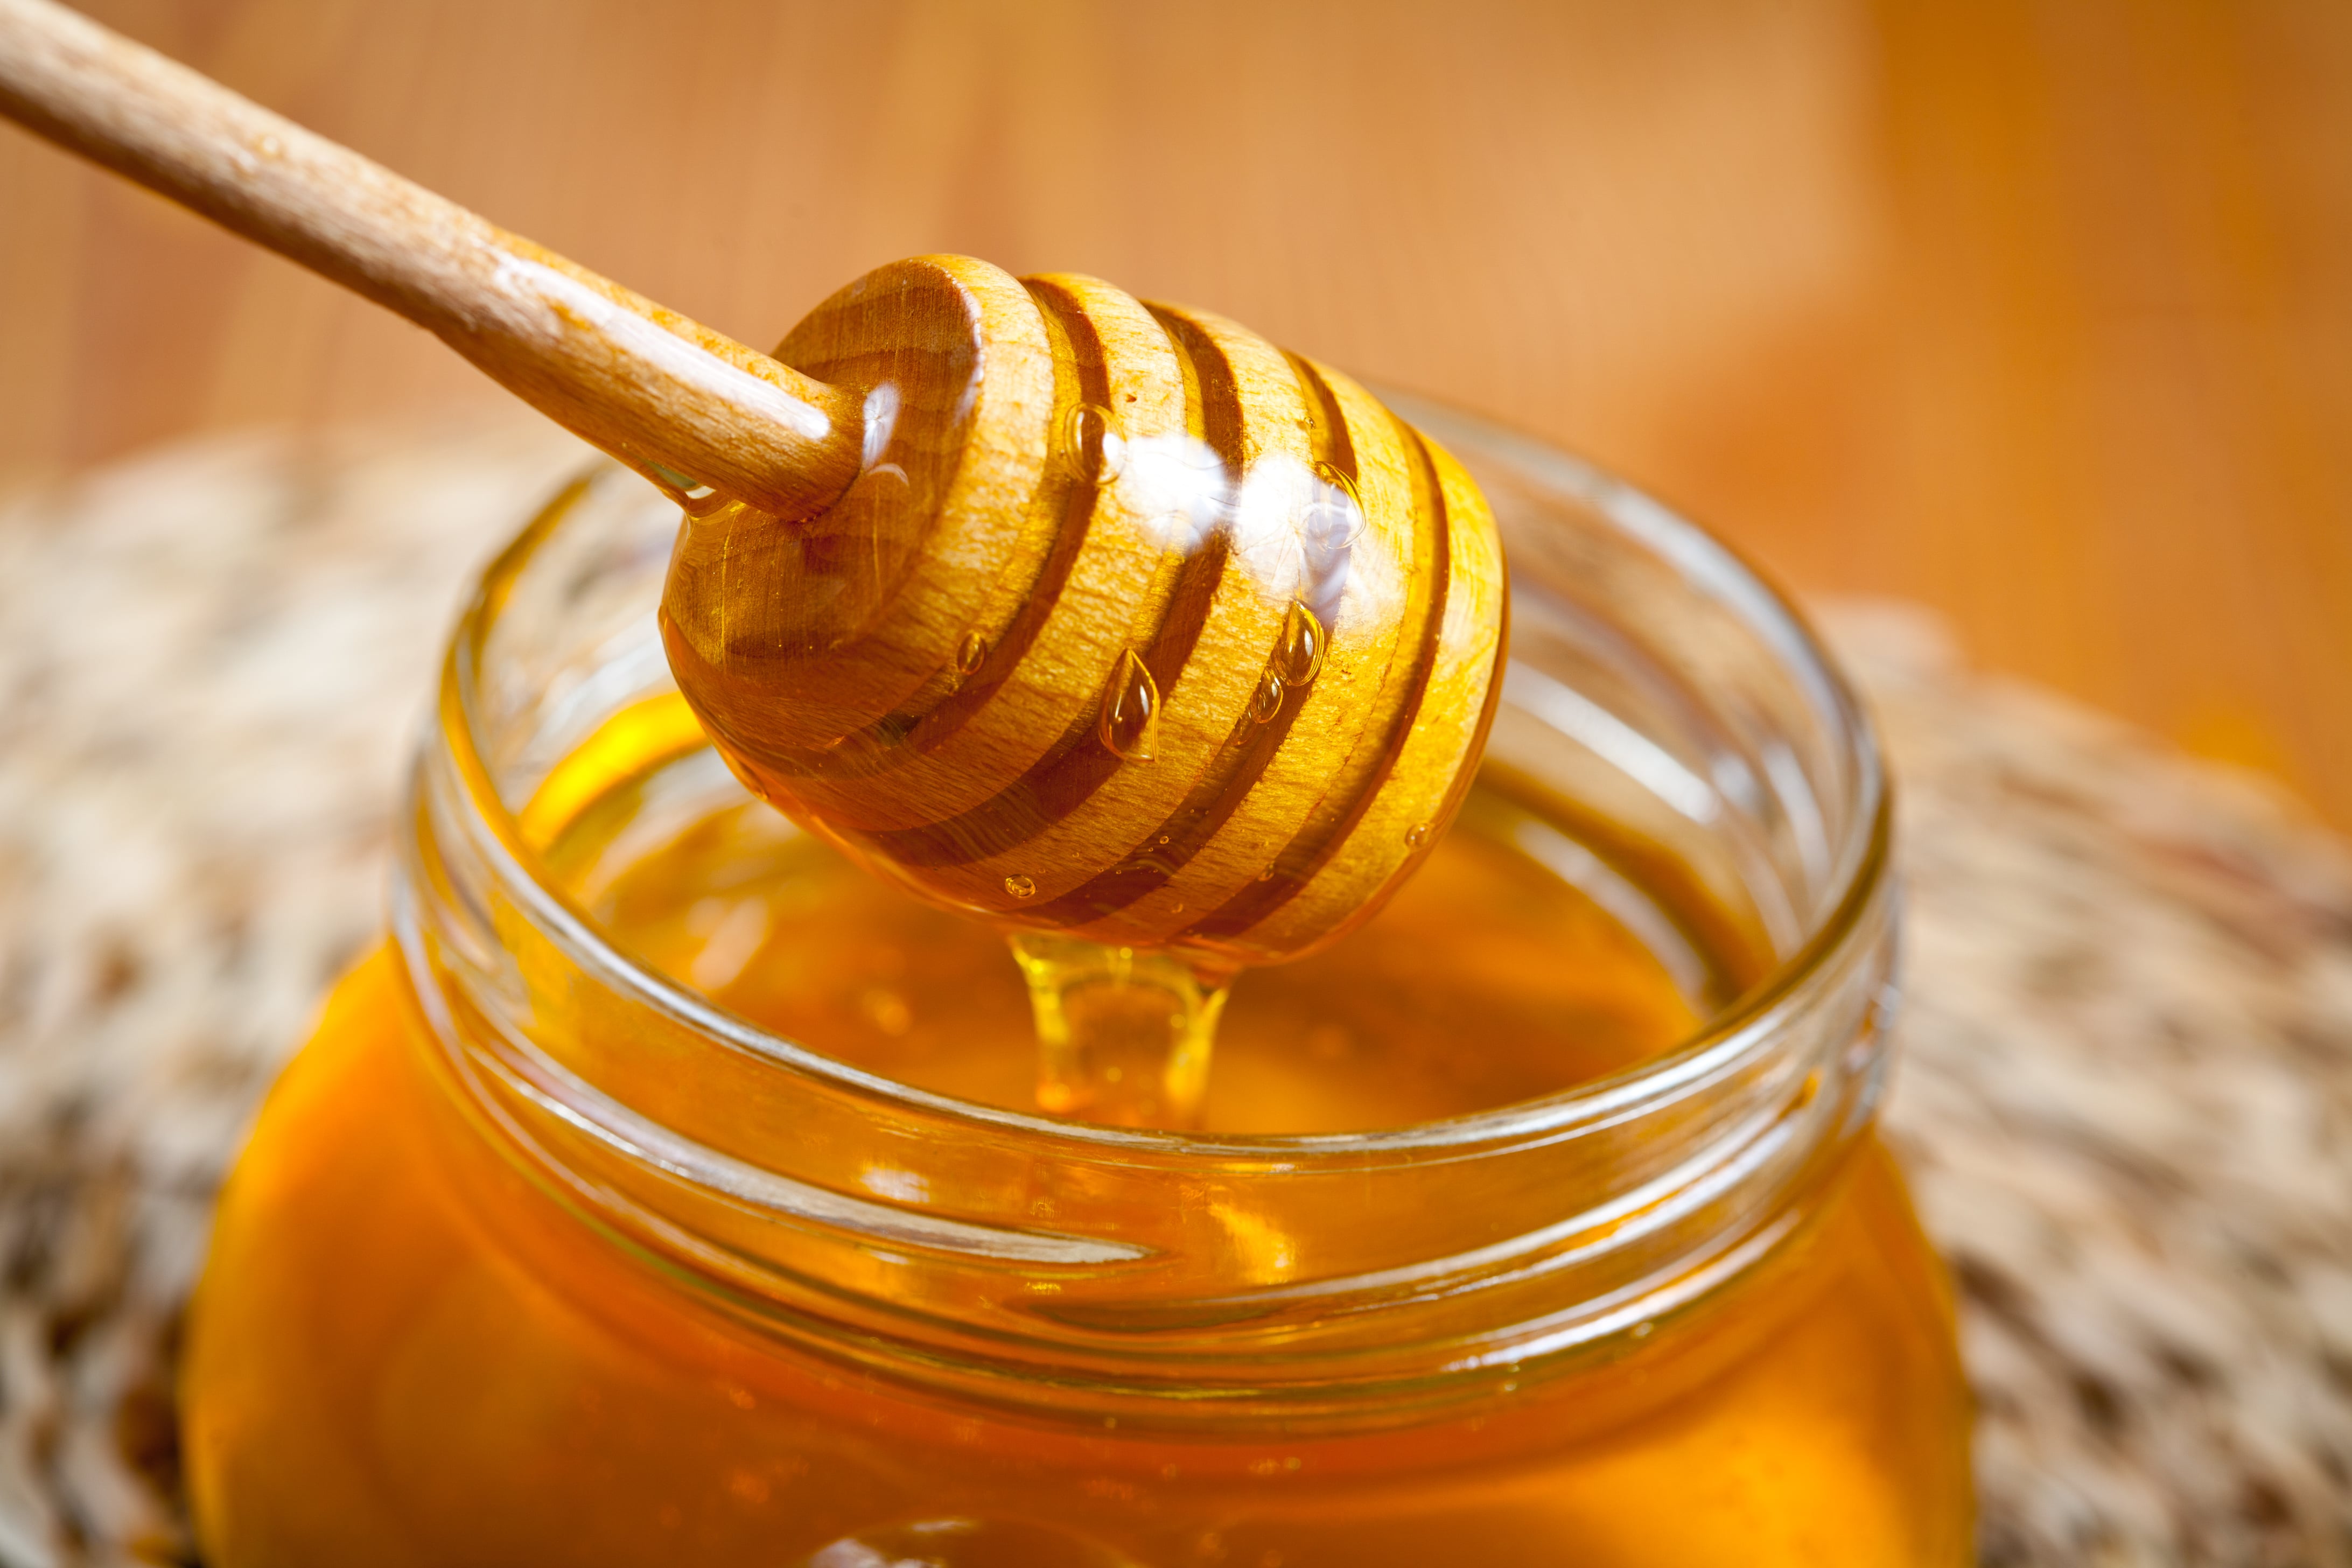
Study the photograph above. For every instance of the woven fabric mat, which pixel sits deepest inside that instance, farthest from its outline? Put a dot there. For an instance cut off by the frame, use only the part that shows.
(2126, 1098)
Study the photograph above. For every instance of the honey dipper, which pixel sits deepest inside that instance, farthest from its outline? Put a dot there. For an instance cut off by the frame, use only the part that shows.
(1091, 616)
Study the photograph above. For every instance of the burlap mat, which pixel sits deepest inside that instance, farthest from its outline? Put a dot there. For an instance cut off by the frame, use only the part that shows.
(2127, 1097)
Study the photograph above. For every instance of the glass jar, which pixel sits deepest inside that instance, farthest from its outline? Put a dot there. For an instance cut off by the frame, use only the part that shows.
(536, 1254)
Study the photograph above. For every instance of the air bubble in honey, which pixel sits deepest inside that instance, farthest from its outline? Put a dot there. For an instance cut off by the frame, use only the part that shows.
(969, 652)
(1090, 447)
(1416, 836)
(1131, 711)
(1301, 658)
(1267, 700)
(886, 1010)
(1020, 886)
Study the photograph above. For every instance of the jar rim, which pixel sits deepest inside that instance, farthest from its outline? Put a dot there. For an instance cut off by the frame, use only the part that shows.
(1860, 864)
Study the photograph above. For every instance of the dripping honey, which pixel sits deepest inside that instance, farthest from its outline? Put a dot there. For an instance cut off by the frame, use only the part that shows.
(1484, 944)
(486, 1380)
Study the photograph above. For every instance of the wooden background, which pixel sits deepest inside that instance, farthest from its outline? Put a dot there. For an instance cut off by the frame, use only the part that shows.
(2037, 311)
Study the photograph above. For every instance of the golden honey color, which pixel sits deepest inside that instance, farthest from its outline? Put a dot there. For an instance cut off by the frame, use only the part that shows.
(405, 1352)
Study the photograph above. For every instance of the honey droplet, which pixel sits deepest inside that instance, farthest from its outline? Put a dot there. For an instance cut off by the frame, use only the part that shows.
(697, 499)
(1131, 711)
(969, 652)
(1416, 836)
(1089, 446)
(1267, 700)
(1020, 886)
(1301, 658)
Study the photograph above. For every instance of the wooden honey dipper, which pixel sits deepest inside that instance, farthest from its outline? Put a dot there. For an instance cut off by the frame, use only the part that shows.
(1090, 617)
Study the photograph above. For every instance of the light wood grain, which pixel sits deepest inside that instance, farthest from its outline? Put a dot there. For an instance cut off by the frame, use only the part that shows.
(1094, 617)
(2039, 311)
(683, 404)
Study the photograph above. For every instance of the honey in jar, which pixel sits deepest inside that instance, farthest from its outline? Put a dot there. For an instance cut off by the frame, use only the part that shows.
(667, 1189)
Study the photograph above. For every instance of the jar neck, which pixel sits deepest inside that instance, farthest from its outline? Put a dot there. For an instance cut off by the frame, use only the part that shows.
(1156, 1275)
(977, 1248)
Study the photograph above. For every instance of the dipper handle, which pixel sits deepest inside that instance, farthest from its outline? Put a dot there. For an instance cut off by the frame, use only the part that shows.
(682, 404)
(1105, 620)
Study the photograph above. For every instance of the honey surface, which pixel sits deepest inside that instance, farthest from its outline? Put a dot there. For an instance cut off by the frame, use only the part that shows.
(405, 1353)
(1487, 943)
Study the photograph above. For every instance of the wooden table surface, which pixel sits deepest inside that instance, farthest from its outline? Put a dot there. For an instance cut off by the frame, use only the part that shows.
(2039, 311)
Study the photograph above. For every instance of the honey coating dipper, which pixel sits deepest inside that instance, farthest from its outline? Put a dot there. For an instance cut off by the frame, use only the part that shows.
(1091, 616)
